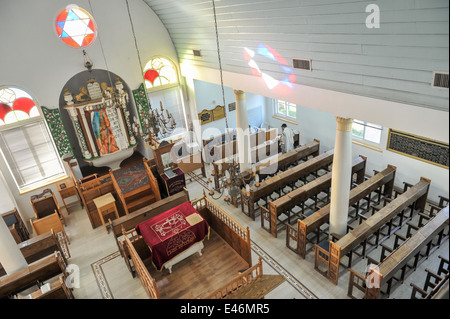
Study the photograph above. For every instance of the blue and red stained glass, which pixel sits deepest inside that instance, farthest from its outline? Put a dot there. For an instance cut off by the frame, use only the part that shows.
(76, 27)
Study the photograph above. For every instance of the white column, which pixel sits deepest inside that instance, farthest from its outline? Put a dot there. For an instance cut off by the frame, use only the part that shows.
(341, 177)
(11, 257)
(243, 133)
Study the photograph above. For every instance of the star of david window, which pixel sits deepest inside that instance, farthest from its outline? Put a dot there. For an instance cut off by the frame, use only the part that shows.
(76, 27)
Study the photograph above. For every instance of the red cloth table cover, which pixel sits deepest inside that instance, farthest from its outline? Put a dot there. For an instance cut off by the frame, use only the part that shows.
(169, 234)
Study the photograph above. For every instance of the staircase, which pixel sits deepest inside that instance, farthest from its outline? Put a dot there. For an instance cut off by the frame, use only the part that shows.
(136, 186)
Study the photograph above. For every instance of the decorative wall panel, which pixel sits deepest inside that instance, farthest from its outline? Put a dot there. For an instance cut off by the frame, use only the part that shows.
(418, 147)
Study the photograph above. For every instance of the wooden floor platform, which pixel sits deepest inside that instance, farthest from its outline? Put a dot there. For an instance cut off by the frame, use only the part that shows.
(198, 276)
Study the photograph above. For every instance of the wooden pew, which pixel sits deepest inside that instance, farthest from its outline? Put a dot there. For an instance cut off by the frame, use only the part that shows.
(94, 188)
(301, 194)
(313, 222)
(251, 284)
(58, 290)
(280, 162)
(263, 146)
(131, 220)
(38, 247)
(398, 259)
(440, 279)
(48, 223)
(224, 153)
(287, 177)
(42, 270)
(416, 195)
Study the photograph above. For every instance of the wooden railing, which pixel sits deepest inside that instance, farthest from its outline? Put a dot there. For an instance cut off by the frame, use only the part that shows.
(147, 280)
(234, 234)
(118, 192)
(224, 217)
(244, 279)
(356, 281)
(152, 180)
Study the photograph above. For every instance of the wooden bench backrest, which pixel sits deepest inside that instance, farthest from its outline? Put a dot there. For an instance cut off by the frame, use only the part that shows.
(344, 245)
(400, 256)
(303, 169)
(311, 223)
(37, 247)
(46, 224)
(40, 246)
(308, 190)
(41, 270)
(58, 290)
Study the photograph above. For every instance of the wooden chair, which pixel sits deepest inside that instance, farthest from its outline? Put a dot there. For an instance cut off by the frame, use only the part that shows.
(46, 224)
(46, 206)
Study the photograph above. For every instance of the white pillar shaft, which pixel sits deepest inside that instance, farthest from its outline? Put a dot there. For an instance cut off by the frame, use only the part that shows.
(11, 257)
(242, 132)
(341, 177)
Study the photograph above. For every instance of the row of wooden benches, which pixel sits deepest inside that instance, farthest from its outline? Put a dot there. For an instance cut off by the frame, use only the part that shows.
(51, 269)
(400, 261)
(382, 183)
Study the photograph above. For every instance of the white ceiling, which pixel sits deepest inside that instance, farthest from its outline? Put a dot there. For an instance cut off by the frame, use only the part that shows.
(394, 63)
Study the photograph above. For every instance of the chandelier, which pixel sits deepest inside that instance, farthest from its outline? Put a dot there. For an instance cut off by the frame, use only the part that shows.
(231, 179)
(157, 124)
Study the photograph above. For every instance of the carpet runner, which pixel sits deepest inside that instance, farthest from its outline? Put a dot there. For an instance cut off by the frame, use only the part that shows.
(131, 178)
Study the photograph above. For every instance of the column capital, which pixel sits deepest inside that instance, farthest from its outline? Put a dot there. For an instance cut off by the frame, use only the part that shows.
(344, 124)
(240, 95)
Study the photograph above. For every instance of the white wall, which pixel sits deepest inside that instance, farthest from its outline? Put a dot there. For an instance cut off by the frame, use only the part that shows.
(209, 95)
(314, 124)
(35, 59)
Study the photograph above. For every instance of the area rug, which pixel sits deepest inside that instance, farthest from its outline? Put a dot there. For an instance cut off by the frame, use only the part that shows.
(131, 178)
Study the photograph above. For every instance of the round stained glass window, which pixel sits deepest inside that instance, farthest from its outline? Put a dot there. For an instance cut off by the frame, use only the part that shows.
(76, 27)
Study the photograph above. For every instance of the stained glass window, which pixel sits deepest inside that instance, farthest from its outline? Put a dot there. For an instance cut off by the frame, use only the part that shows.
(25, 142)
(16, 105)
(158, 72)
(76, 27)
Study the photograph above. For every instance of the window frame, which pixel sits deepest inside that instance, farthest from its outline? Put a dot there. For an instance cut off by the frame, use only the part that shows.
(44, 181)
(362, 140)
(288, 105)
(168, 87)
(163, 86)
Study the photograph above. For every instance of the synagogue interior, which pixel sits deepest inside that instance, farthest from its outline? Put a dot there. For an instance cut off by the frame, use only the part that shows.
(224, 149)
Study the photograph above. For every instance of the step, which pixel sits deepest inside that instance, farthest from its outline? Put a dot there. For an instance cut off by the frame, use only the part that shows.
(137, 191)
(140, 202)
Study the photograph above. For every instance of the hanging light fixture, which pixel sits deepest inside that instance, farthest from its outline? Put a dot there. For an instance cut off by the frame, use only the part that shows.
(159, 123)
(230, 180)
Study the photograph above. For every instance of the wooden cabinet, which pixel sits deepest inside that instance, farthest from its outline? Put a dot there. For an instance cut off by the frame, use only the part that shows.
(16, 225)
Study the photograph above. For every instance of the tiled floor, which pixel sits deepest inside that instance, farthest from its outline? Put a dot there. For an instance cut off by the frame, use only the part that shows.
(103, 273)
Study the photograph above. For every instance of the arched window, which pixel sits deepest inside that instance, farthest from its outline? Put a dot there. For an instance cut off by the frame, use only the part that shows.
(16, 105)
(162, 86)
(159, 72)
(25, 142)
